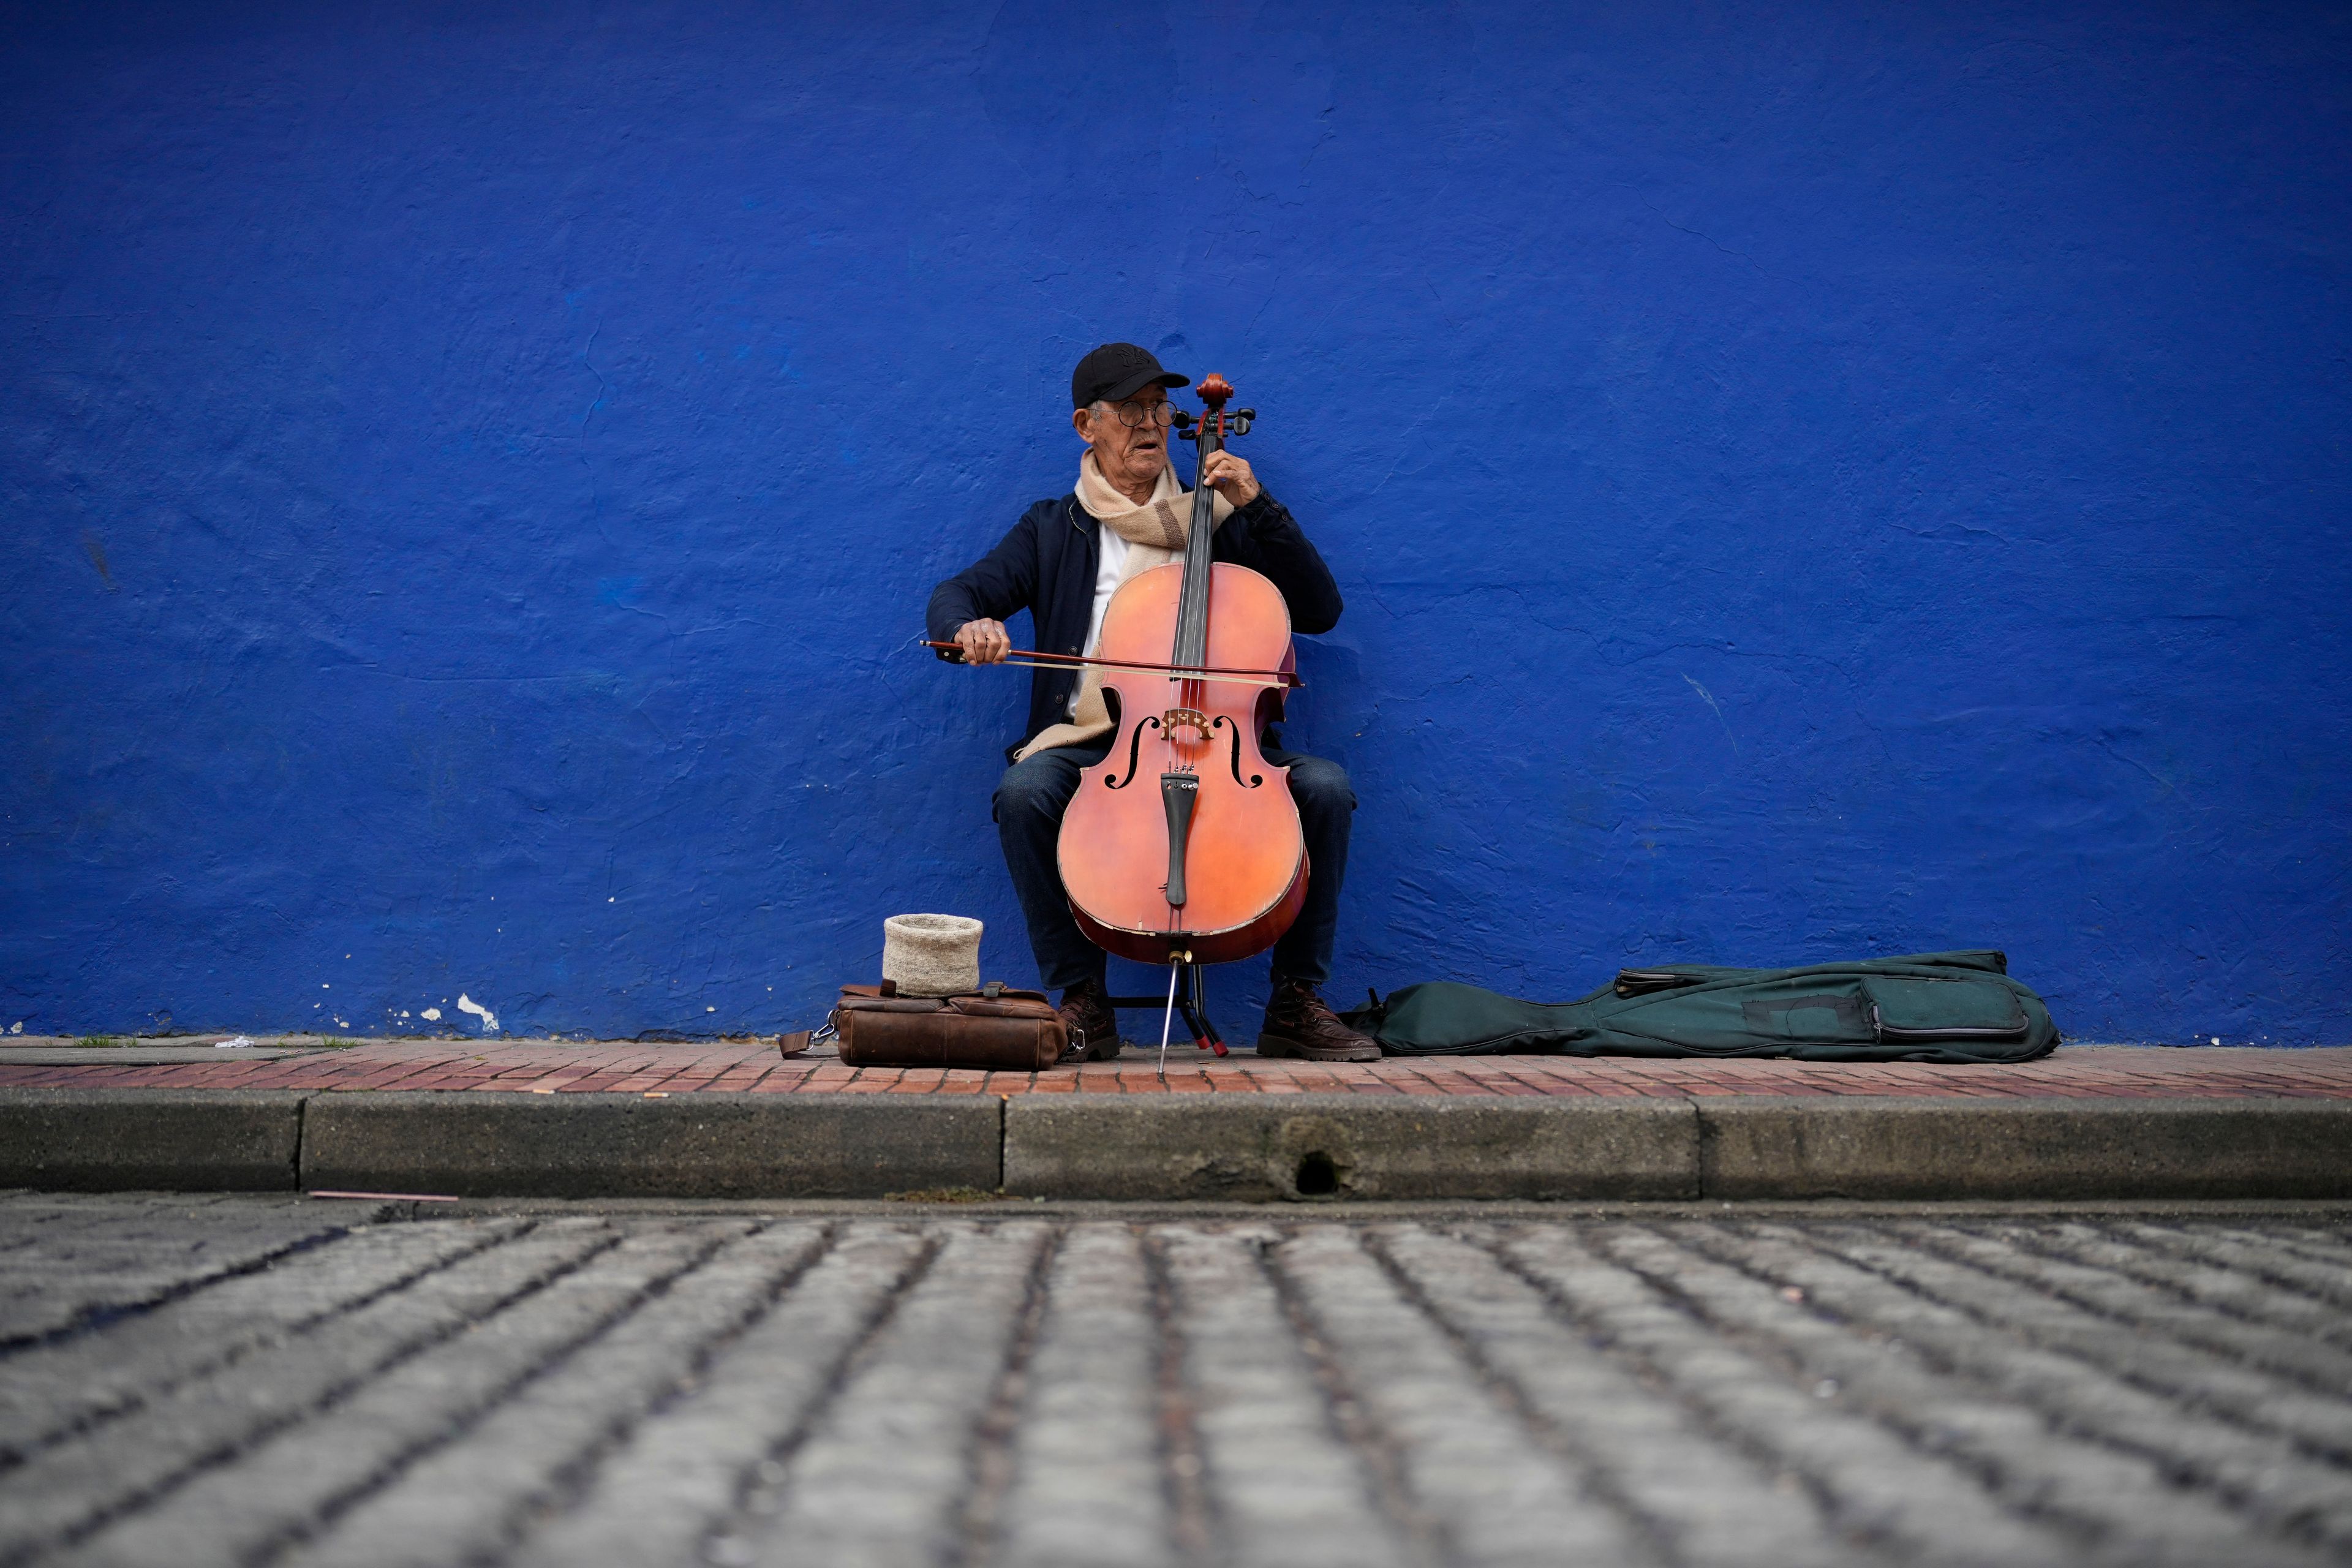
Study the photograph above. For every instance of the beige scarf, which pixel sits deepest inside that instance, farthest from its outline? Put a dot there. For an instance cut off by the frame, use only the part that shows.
(1154, 533)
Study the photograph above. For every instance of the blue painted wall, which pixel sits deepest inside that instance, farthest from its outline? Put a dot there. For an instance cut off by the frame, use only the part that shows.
(1808, 480)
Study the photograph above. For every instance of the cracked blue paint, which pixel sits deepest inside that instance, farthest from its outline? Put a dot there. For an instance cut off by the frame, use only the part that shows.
(1808, 482)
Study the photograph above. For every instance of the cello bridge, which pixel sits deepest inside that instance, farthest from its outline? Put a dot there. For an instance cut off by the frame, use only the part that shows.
(1185, 718)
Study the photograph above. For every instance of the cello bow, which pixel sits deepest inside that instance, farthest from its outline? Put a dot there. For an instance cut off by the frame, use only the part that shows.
(1038, 659)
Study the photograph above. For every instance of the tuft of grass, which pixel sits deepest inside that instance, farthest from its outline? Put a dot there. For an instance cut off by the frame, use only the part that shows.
(942, 1196)
(98, 1042)
(336, 1043)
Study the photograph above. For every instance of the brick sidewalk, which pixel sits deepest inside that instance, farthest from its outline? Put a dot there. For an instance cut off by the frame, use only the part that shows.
(568, 1066)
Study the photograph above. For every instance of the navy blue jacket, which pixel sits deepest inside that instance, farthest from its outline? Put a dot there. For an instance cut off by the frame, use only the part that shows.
(1046, 565)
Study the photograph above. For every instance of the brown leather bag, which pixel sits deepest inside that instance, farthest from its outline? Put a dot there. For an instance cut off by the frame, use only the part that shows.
(1017, 1031)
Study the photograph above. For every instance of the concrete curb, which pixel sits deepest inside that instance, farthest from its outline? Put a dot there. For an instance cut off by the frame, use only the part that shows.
(1244, 1148)
(1253, 1148)
(1866, 1147)
(623, 1145)
(114, 1140)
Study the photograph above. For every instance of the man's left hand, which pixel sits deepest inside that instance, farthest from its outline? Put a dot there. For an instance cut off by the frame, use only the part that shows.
(1231, 478)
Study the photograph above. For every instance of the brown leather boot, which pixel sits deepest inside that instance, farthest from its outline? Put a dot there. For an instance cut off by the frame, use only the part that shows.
(1094, 1027)
(1297, 1024)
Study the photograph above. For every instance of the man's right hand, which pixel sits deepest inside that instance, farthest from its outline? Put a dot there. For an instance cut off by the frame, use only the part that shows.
(983, 642)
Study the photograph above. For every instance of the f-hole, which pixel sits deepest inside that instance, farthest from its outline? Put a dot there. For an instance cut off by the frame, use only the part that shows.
(1221, 722)
(1134, 742)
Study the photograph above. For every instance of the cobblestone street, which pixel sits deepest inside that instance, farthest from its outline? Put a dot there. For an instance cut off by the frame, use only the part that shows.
(266, 1380)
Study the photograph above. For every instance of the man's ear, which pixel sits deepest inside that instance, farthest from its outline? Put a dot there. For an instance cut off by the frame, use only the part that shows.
(1078, 423)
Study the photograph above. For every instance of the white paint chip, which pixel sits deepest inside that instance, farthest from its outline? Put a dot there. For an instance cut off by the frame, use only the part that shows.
(711, 1009)
(18, 1028)
(432, 1013)
(489, 1020)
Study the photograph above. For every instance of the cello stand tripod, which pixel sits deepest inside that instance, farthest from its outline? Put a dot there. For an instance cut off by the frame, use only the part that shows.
(1185, 995)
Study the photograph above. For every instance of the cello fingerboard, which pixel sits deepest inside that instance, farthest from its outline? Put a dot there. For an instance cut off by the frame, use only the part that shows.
(1192, 612)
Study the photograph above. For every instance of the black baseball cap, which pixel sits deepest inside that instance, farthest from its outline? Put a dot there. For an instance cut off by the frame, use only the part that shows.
(1117, 372)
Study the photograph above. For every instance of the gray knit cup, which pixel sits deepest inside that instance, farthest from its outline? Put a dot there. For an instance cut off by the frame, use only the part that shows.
(932, 955)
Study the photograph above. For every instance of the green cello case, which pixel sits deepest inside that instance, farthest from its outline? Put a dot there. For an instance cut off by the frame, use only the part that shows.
(1922, 1007)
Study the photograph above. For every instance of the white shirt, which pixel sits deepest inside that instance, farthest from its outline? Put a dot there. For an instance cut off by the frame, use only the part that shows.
(1107, 574)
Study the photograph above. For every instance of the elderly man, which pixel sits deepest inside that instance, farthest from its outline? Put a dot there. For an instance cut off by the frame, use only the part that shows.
(1061, 563)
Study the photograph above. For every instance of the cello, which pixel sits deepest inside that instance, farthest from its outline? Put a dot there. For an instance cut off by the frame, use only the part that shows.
(1182, 846)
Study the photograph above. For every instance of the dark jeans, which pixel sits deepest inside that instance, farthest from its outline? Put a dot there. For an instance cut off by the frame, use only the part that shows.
(1036, 791)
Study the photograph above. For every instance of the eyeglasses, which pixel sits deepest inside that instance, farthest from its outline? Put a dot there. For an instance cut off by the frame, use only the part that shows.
(1134, 414)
